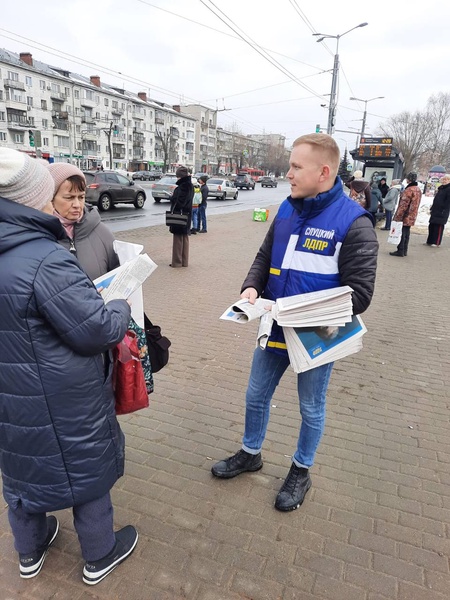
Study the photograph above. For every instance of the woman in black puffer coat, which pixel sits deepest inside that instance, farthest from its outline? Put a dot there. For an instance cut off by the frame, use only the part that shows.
(440, 210)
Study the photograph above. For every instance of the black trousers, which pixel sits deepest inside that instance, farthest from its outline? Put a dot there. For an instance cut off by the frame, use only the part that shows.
(402, 248)
(435, 233)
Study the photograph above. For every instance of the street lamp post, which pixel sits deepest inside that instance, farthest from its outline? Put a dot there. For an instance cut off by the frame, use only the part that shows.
(363, 127)
(334, 80)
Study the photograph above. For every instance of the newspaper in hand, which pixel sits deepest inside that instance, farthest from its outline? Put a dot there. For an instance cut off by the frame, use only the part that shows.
(243, 312)
(120, 283)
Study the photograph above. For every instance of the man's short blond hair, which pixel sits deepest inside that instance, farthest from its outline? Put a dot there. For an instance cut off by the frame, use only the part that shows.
(326, 146)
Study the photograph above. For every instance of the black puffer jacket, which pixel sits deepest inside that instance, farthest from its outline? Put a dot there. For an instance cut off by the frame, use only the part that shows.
(357, 261)
(440, 208)
(182, 203)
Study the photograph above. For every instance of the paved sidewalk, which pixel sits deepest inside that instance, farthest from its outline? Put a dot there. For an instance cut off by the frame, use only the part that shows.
(375, 523)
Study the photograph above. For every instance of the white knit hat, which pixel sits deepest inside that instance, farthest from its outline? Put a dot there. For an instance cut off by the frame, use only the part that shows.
(357, 174)
(62, 171)
(24, 180)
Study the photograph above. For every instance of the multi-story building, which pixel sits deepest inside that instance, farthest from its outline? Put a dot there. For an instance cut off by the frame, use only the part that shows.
(51, 112)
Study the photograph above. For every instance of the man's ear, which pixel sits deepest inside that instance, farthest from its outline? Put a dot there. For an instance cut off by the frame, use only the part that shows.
(325, 174)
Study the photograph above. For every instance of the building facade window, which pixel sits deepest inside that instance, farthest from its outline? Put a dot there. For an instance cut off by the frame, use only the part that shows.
(2, 116)
(45, 141)
(13, 76)
(30, 100)
(45, 123)
(43, 104)
(2, 136)
(76, 94)
(18, 138)
(42, 84)
(29, 81)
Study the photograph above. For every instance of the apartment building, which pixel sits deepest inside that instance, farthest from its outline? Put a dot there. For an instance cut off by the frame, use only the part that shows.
(62, 116)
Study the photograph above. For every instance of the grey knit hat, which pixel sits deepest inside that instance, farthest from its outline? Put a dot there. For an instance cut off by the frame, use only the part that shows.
(24, 180)
(62, 171)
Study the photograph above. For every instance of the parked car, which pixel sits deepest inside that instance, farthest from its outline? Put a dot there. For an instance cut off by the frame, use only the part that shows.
(146, 175)
(267, 181)
(244, 181)
(221, 188)
(163, 190)
(107, 188)
(199, 174)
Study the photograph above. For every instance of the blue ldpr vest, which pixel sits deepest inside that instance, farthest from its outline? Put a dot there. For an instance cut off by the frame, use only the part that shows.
(306, 246)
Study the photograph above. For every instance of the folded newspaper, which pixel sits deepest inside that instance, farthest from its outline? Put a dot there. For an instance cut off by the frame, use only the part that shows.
(243, 312)
(120, 283)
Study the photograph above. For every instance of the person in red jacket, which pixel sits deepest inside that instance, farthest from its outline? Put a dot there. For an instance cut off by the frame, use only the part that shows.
(407, 210)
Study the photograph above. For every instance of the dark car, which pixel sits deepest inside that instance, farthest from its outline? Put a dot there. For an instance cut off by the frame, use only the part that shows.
(146, 175)
(244, 181)
(107, 188)
(268, 182)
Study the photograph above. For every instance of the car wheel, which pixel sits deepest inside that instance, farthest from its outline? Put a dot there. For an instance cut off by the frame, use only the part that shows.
(139, 201)
(157, 200)
(235, 196)
(104, 203)
(224, 196)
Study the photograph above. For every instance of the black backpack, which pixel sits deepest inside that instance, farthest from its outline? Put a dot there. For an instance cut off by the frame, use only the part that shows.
(158, 345)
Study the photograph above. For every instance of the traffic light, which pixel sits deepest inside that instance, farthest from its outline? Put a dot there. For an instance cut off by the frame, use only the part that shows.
(31, 137)
(318, 128)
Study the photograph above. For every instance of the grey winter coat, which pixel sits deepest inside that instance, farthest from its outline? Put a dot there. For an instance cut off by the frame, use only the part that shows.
(92, 244)
(60, 442)
(390, 200)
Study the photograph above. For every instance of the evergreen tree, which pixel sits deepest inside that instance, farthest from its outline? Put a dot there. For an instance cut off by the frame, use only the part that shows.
(343, 172)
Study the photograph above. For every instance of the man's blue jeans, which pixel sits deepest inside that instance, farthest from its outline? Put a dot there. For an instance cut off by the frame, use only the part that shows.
(266, 372)
(195, 219)
(202, 216)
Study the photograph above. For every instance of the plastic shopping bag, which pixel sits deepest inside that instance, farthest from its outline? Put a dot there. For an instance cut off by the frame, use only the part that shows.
(129, 386)
(395, 233)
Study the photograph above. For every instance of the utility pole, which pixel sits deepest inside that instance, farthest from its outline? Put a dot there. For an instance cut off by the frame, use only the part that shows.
(334, 80)
(108, 135)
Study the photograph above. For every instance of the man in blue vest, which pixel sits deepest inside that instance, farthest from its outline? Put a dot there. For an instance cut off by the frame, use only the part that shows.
(295, 259)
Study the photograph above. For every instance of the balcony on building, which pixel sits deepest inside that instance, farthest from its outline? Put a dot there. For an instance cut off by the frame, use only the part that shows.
(89, 135)
(159, 120)
(88, 103)
(60, 124)
(117, 111)
(87, 119)
(138, 115)
(58, 96)
(17, 104)
(138, 153)
(58, 114)
(17, 119)
(17, 85)
(174, 132)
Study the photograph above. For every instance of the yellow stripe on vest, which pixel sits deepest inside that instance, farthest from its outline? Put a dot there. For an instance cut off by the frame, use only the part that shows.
(275, 271)
(280, 345)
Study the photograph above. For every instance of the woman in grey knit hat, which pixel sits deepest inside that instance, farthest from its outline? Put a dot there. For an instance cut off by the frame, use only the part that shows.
(61, 444)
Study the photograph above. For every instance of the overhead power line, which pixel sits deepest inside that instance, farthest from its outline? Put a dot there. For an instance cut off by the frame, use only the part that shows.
(248, 40)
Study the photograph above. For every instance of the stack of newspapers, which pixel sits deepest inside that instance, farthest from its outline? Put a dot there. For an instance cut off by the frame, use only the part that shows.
(319, 327)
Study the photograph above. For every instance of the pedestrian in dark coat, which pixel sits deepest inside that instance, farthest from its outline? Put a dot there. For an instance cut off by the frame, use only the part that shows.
(62, 445)
(375, 200)
(181, 203)
(407, 210)
(439, 213)
(383, 187)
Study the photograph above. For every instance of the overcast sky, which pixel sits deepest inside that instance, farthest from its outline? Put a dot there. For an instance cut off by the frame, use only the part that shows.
(179, 51)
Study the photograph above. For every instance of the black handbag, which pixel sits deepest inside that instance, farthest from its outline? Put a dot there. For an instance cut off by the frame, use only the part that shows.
(176, 219)
(157, 344)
